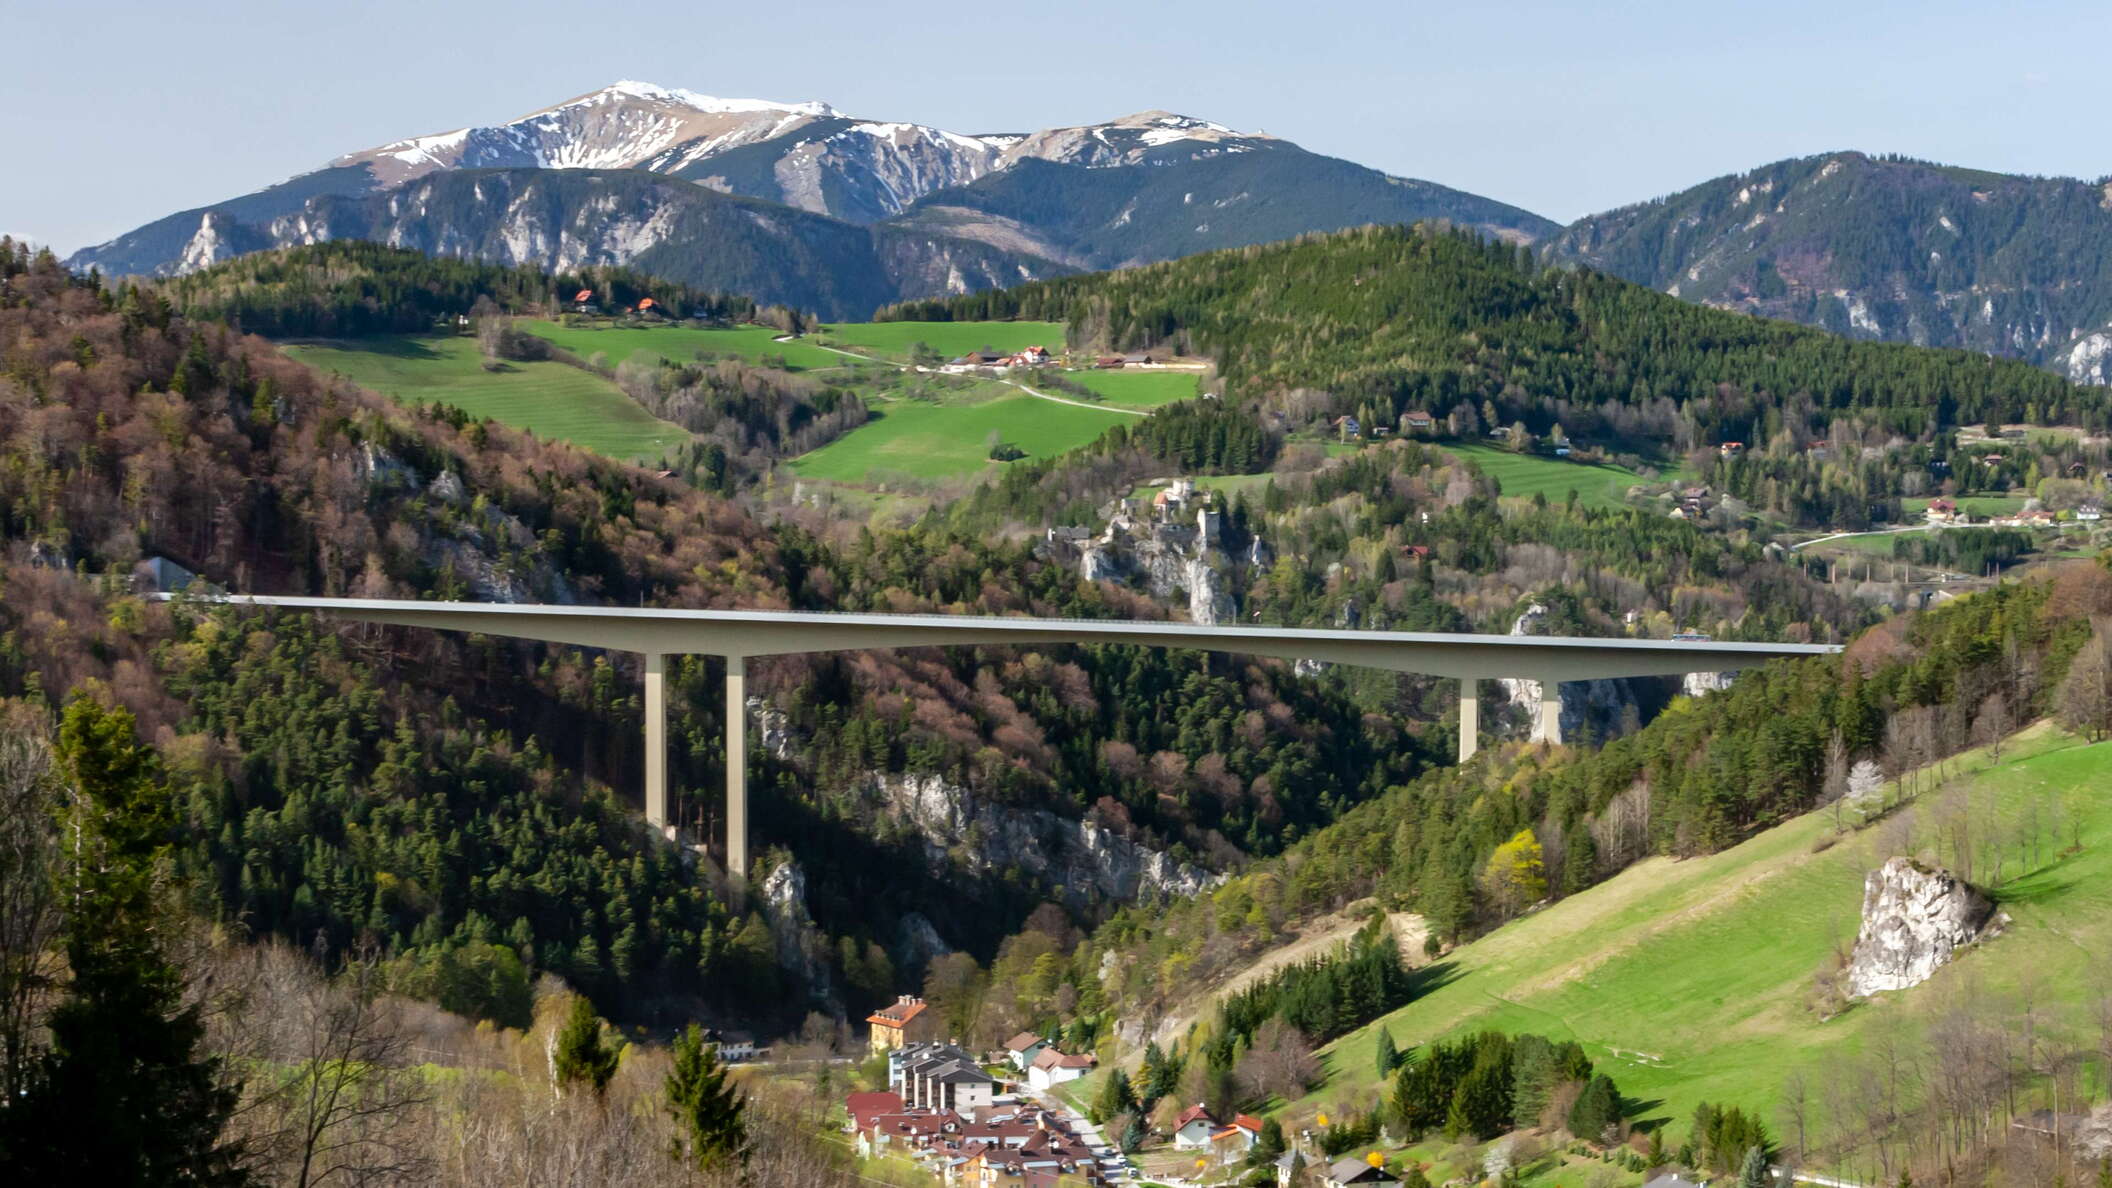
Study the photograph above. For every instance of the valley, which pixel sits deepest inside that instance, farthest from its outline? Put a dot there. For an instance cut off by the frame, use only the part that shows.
(1491, 879)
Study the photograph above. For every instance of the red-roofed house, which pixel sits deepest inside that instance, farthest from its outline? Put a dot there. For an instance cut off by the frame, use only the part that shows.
(864, 1107)
(907, 1021)
(1234, 1141)
(1021, 1049)
(1192, 1130)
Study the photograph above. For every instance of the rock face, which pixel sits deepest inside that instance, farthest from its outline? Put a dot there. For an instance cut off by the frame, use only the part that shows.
(1611, 707)
(801, 948)
(1171, 558)
(1914, 919)
(1079, 859)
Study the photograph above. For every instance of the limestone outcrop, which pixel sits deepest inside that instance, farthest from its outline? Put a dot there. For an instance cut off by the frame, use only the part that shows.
(1915, 918)
(1079, 858)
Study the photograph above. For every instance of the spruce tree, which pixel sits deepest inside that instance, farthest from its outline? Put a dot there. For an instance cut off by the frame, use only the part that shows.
(1389, 1057)
(1597, 1108)
(123, 1096)
(1753, 1172)
(708, 1112)
(582, 1056)
(1115, 1098)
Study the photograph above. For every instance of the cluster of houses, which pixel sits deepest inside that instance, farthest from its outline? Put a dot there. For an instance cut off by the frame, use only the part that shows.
(1030, 357)
(1044, 1064)
(2032, 515)
(1693, 502)
(584, 302)
(998, 1143)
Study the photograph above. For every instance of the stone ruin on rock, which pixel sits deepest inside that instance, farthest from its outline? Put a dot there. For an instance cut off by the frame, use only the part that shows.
(1914, 919)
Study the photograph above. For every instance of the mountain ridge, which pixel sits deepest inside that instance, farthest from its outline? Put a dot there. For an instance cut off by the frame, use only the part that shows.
(877, 179)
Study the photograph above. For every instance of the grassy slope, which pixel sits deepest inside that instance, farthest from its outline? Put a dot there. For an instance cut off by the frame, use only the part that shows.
(1687, 980)
(926, 439)
(680, 343)
(552, 399)
(893, 339)
(1138, 389)
(1525, 475)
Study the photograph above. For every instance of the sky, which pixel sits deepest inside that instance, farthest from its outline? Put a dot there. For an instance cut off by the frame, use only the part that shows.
(114, 114)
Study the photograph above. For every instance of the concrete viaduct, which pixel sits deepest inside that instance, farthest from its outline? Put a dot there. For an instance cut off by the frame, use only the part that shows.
(736, 635)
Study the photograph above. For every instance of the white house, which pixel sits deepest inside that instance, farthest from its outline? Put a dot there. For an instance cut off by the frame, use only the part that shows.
(1192, 1130)
(1053, 1067)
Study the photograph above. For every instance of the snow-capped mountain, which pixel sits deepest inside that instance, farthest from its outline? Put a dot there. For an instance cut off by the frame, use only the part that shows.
(944, 211)
(630, 125)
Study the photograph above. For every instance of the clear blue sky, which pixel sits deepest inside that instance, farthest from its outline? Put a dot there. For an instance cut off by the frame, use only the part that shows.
(112, 114)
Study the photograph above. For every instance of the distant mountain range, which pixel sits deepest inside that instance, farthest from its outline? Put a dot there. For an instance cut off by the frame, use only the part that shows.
(799, 204)
(1882, 247)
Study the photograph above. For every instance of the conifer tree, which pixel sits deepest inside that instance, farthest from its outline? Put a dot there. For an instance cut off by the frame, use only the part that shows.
(122, 1097)
(1753, 1172)
(582, 1055)
(1116, 1097)
(1389, 1057)
(711, 1129)
(1597, 1108)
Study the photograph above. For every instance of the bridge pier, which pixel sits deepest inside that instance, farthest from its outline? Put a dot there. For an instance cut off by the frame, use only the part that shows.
(737, 767)
(1551, 711)
(1469, 717)
(656, 740)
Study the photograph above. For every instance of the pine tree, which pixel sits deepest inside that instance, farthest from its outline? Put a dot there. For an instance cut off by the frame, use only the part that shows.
(708, 1112)
(122, 1097)
(1389, 1057)
(582, 1056)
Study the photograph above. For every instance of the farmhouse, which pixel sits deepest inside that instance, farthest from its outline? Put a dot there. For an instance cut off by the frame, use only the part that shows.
(1232, 1142)
(1731, 449)
(908, 1021)
(1418, 421)
(2090, 511)
(1941, 511)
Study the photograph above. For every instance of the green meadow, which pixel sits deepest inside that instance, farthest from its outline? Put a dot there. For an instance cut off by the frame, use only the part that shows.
(680, 344)
(893, 340)
(947, 439)
(551, 399)
(1526, 475)
(1689, 981)
(1138, 389)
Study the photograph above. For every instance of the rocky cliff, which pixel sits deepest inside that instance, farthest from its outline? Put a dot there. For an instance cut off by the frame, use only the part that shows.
(1077, 859)
(1606, 708)
(1914, 919)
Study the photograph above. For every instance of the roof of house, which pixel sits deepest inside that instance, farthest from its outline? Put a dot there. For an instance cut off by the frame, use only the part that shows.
(1023, 1041)
(1356, 1171)
(897, 1014)
(864, 1107)
(1052, 1057)
(1198, 1110)
(584, 295)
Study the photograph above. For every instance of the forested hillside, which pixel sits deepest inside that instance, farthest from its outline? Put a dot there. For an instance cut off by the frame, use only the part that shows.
(350, 288)
(1880, 247)
(469, 802)
(1418, 318)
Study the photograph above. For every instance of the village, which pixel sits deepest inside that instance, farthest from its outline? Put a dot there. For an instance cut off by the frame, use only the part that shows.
(976, 1120)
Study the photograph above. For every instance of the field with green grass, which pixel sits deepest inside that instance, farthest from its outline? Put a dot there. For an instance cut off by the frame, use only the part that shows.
(552, 399)
(1972, 505)
(680, 344)
(1526, 475)
(1138, 389)
(1688, 981)
(924, 439)
(893, 340)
